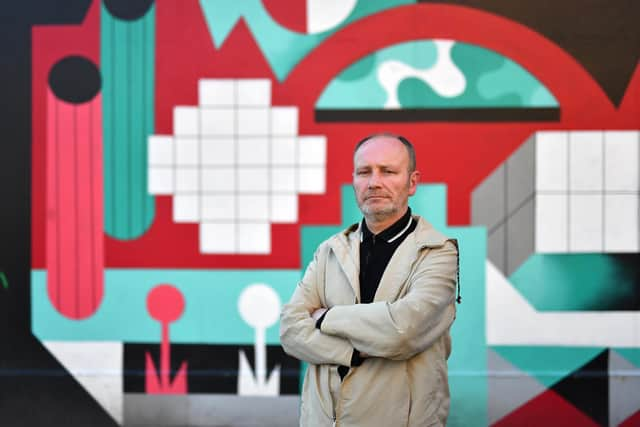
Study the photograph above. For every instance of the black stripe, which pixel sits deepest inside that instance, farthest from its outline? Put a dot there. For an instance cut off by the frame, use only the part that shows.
(440, 114)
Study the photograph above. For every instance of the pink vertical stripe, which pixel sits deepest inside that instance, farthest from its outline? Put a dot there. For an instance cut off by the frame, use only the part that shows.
(74, 205)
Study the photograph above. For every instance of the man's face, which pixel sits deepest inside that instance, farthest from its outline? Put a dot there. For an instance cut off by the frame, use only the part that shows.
(381, 179)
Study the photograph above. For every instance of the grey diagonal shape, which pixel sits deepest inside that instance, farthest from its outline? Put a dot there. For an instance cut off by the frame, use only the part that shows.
(488, 200)
(497, 247)
(624, 388)
(509, 387)
(520, 175)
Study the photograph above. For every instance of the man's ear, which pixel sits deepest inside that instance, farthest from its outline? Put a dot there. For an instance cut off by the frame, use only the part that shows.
(414, 179)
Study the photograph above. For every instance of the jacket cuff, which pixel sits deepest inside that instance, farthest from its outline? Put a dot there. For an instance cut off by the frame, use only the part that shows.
(319, 321)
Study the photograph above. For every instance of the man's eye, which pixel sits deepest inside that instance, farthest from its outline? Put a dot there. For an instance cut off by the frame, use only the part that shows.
(362, 173)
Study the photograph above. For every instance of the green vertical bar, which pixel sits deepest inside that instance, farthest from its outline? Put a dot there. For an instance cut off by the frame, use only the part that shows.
(127, 58)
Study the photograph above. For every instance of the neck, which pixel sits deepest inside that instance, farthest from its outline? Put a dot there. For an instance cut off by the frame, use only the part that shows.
(376, 225)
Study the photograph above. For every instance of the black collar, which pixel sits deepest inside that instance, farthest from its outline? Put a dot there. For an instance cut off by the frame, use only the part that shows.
(391, 233)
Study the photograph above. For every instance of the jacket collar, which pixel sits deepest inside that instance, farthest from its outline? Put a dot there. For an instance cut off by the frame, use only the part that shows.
(346, 246)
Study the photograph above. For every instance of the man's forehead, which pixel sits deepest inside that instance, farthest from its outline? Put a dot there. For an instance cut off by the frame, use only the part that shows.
(381, 150)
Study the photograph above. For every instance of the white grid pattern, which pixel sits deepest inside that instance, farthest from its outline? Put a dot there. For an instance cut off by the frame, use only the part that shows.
(236, 164)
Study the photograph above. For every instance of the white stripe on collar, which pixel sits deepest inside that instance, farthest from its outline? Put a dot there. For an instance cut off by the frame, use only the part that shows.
(394, 237)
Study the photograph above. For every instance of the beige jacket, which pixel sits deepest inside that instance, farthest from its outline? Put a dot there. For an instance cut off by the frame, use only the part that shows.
(405, 332)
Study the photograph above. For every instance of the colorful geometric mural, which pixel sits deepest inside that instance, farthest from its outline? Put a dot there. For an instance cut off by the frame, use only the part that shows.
(170, 166)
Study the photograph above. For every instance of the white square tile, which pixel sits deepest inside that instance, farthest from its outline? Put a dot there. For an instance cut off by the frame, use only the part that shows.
(254, 238)
(220, 179)
(284, 121)
(311, 180)
(585, 160)
(621, 160)
(186, 208)
(551, 235)
(160, 150)
(253, 207)
(185, 121)
(621, 216)
(283, 179)
(217, 92)
(187, 151)
(254, 92)
(217, 238)
(253, 179)
(219, 121)
(552, 161)
(160, 180)
(585, 223)
(187, 180)
(312, 150)
(253, 151)
(284, 151)
(218, 151)
(219, 207)
(284, 208)
(253, 121)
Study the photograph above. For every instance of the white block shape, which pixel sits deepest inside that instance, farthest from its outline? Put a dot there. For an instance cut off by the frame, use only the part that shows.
(253, 151)
(311, 180)
(254, 92)
(283, 179)
(586, 161)
(217, 238)
(621, 217)
(186, 208)
(219, 207)
(187, 151)
(187, 180)
(284, 208)
(160, 150)
(218, 180)
(253, 207)
(253, 121)
(217, 121)
(284, 121)
(217, 92)
(254, 238)
(160, 180)
(185, 121)
(253, 179)
(585, 223)
(552, 161)
(621, 156)
(312, 150)
(283, 151)
(218, 151)
(323, 15)
(551, 223)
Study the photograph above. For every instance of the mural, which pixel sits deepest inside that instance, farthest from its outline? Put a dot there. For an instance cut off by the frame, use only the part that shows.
(183, 159)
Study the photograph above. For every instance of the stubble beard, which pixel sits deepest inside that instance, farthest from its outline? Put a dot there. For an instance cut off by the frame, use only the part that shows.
(378, 214)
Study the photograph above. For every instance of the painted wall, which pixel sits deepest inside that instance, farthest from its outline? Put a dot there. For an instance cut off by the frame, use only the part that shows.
(169, 167)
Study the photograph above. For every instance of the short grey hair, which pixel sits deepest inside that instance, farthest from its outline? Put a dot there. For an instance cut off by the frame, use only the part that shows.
(408, 145)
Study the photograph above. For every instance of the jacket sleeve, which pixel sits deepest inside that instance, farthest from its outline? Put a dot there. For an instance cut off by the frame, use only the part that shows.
(298, 334)
(398, 330)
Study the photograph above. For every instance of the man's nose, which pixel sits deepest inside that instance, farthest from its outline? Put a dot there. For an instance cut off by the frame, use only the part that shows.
(374, 180)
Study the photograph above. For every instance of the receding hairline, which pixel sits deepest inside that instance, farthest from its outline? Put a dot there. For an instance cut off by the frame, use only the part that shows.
(407, 144)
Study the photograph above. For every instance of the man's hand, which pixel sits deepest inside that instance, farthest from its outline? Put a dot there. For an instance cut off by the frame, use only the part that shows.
(318, 313)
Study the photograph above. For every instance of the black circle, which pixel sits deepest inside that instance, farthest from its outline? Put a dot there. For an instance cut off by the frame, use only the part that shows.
(75, 79)
(128, 10)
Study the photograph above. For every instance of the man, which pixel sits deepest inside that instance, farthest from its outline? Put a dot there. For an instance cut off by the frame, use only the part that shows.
(372, 313)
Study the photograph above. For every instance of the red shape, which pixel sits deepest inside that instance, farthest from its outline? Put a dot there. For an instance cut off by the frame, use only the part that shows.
(165, 303)
(290, 14)
(632, 421)
(161, 385)
(547, 409)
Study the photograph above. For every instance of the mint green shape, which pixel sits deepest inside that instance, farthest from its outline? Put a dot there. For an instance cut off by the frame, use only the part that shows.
(127, 63)
(547, 364)
(574, 282)
(492, 81)
(282, 47)
(468, 362)
(210, 316)
(631, 354)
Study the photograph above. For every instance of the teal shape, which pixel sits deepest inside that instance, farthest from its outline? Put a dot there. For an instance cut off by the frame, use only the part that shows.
(127, 62)
(210, 317)
(547, 364)
(631, 354)
(282, 47)
(492, 81)
(575, 282)
(468, 362)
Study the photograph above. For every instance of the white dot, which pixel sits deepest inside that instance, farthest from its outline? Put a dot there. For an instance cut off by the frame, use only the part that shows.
(259, 305)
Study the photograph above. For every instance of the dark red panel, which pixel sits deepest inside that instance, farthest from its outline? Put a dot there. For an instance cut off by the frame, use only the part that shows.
(291, 14)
